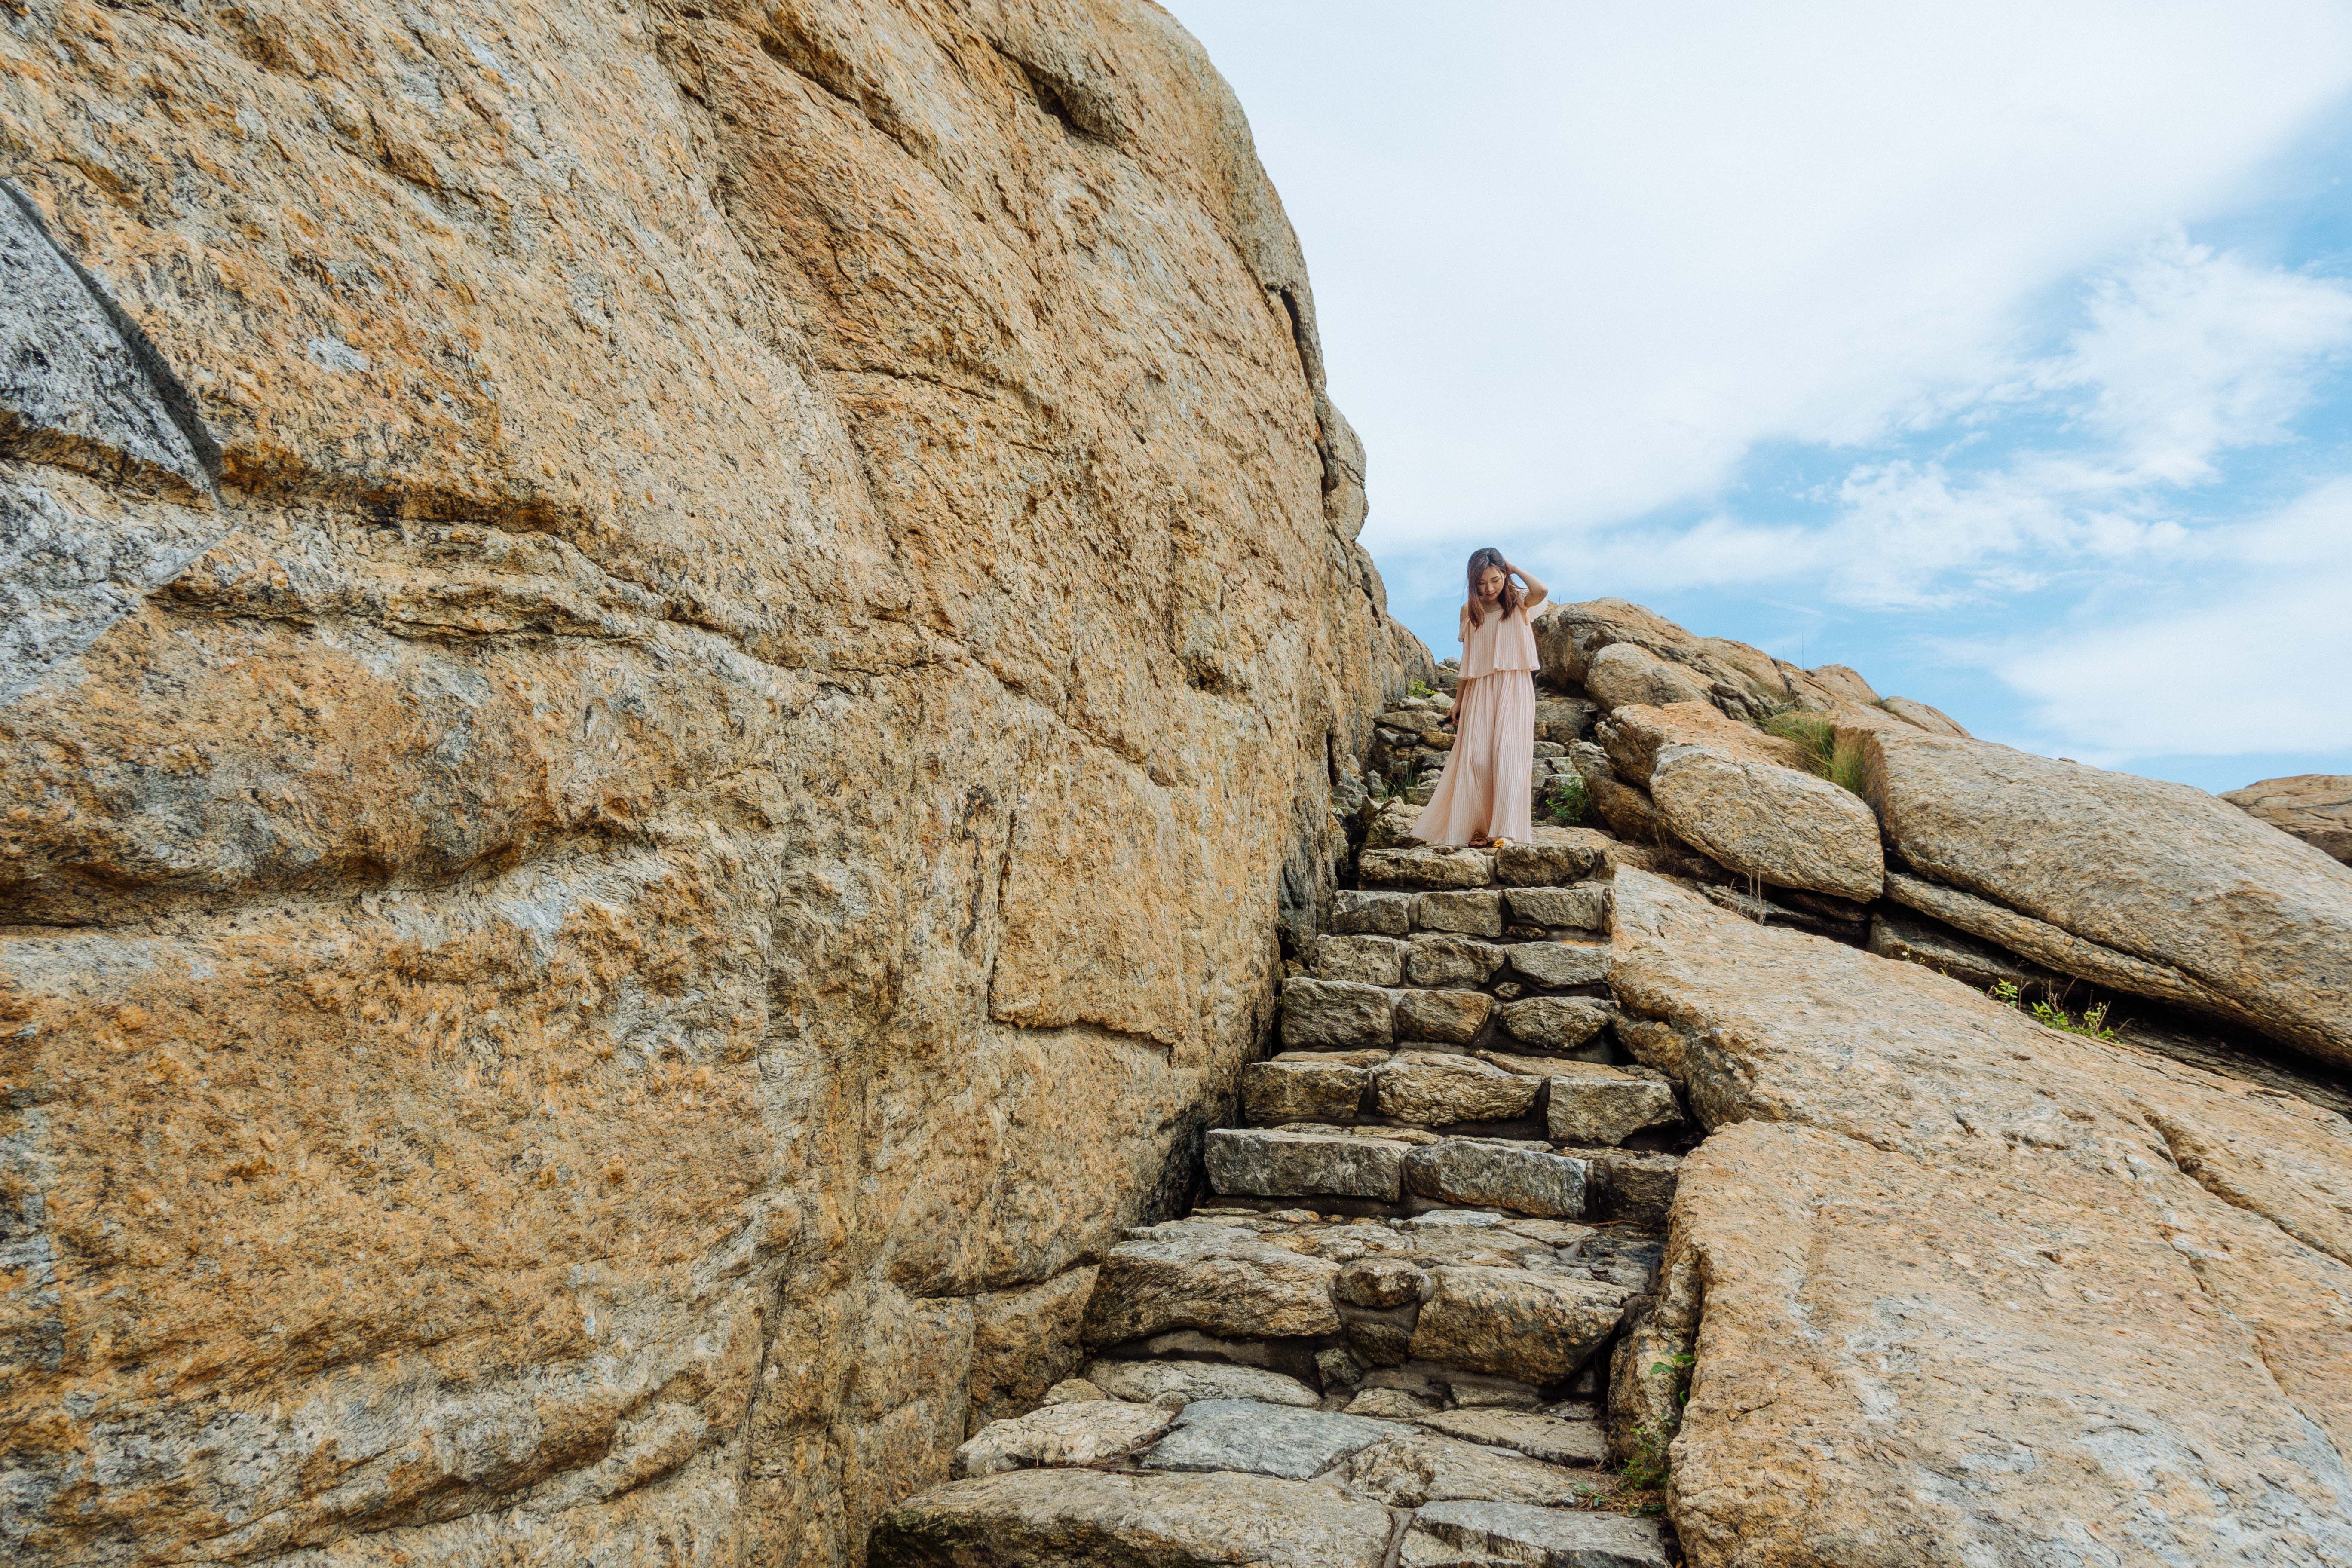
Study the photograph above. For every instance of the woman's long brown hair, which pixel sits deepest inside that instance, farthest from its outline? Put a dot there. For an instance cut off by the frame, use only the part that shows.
(1479, 561)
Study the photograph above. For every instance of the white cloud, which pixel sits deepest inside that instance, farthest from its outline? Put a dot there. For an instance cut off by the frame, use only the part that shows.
(2256, 665)
(2190, 351)
(1573, 263)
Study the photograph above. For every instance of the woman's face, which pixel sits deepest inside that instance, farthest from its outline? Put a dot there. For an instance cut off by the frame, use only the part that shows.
(1490, 584)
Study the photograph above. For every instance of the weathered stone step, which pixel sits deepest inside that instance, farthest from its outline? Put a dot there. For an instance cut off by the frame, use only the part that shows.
(1443, 1004)
(1510, 1305)
(1075, 1519)
(1575, 1101)
(1476, 911)
(1439, 866)
(1469, 1503)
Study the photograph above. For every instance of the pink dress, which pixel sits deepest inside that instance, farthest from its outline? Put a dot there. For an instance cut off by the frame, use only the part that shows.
(1487, 789)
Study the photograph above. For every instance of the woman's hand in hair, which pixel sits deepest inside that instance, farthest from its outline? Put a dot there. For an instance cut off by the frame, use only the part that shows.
(1532, 593)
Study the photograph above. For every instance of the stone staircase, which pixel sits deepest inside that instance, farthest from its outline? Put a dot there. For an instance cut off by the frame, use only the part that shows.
(1384, 1335)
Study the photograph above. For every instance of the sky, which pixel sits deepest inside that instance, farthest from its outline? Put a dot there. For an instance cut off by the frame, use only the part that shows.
(2001, 351)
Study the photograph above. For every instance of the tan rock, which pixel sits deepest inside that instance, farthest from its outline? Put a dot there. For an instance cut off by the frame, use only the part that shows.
(1463, 1534)
(2160, 872)
(1451, 961)
(1294, 1163)
(1563, 718)
(1367, 960)
(1554, 1023)
(1025, 1342)
(1386, 914)
(1434, 1089)
(1633, 735)
(1474, 913)
(2043, 944)
(1979, 964)
(1934, 720)
(1437, 867)
(1785, 827)
(1413, 1468)
(1623, 675)
(1559, 962)
(1336, 1012)
(1560, 856)
(1583, 907)
(1626, 810)
(684, 762)
(1545, 1438)
(1231, 1285)
(2053, 1231)
(1175, 1383)
(1381, 1282)
(1452, 1017)
(1076, 1432)
(1592, 1104)
(2315, 807)
(1513, 1322)
(1072, 1391)
(1061, 1519)
(1392, 828)
(1276, 1092)
(1490, 1174)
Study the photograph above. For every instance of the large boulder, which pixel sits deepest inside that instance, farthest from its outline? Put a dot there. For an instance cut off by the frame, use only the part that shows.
(639, 740)
(1634, 734)
(1782, 826)
(2101, 1287)
(2315, 807)
(1623, 675)
(2159, 872)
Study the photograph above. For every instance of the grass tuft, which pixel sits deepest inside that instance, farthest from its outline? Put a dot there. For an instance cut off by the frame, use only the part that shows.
(1840, 761)
(1569, 802)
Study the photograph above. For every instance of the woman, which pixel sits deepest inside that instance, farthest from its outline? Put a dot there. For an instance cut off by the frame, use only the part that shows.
(1486, 792)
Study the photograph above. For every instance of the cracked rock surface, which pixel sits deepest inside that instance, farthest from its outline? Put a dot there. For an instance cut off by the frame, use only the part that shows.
(649, 741)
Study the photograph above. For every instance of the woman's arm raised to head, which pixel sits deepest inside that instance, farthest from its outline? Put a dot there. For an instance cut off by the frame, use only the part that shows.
(1535, 594)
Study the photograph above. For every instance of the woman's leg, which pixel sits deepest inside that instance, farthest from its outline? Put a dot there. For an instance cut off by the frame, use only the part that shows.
(1514, 762)
(1463, 806)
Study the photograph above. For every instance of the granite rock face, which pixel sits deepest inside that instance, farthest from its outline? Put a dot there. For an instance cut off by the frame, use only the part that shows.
(1785, 827)
(2315, 807)
(2122, 1273)
(646, 752)
(2159, 872)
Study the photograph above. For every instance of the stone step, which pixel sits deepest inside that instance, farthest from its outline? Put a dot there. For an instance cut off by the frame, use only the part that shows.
(1572, 1101)
(1445, 1000)
(1225, 1486)
(1514, 1299)
(1436, 866)
(1472, 912)
(1372, 1171)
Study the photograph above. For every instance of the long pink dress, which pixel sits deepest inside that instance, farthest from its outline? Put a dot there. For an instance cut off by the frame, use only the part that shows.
(1487, 788)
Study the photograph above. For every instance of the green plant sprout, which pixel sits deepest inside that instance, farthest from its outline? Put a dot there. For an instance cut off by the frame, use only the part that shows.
(2092, 1023)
